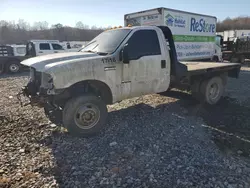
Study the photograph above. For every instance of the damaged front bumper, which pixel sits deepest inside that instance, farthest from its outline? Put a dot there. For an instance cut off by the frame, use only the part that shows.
(28, 96)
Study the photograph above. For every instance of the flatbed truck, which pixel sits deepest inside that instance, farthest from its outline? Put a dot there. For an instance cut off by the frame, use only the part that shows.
(75, 88)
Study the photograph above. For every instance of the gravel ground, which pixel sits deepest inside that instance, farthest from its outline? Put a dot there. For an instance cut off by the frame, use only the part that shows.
(150, 141)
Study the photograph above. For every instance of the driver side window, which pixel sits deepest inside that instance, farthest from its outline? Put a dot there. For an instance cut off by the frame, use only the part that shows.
(143, 43)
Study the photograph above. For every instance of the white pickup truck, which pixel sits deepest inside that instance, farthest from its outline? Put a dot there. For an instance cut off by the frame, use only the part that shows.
(74, 88)
(12, 55)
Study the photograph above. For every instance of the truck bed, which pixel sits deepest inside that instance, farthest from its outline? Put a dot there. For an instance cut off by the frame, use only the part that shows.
(198, 66)
(208, 68)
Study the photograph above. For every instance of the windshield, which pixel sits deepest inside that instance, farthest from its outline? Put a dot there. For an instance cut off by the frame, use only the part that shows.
(107, 41)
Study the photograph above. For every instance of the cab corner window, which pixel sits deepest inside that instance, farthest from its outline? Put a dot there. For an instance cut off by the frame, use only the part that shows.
(57, 47)
(44, 46)
(143, 43)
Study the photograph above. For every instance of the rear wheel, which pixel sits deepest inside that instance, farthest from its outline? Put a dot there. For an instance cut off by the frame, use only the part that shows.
(84, 115)
(212, 90)
(13, 67)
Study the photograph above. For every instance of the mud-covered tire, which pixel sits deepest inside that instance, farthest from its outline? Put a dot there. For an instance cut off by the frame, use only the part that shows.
(212, 90)
(85, 115)
(13, 67)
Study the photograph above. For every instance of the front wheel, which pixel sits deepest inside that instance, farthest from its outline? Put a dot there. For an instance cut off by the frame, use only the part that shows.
(84, 115)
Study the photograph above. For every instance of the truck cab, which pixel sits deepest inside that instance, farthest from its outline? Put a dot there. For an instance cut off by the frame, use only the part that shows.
(18, 49)
(74, 88)
(218, 49)
(43, 47)
(10, 63)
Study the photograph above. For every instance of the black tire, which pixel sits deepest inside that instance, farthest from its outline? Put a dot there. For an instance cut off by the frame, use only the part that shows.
(54, 115)
(13, 67)
(1, 68)
(95, 112)
(242, 59)
(234, 60)
(215, 59)
(212, 90)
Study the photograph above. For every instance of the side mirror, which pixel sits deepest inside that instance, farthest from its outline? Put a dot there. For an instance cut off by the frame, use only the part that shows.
(125, 57)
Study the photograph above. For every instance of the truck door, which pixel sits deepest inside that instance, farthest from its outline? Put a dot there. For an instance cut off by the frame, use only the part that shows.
(148, 67)
(44, 48)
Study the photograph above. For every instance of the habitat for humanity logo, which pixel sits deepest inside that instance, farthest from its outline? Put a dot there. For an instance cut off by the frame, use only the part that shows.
(175, 21)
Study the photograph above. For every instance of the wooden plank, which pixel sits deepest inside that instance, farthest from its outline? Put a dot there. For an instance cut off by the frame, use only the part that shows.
(195, 66)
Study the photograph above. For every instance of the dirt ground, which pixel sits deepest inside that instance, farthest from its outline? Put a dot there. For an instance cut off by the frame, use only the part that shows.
(29, 142)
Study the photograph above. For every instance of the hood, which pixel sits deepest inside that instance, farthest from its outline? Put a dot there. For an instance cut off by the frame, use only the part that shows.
(40, 62)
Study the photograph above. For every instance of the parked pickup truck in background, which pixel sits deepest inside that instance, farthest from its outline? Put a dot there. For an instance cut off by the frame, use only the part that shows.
(236, 49)
(74, 88)
(10, 58)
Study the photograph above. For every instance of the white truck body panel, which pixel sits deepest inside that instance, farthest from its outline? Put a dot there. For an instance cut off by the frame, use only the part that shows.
(228, 34)
(235, 33)
(194, 34)
(139, 77)
(19, 50)
(241, 33)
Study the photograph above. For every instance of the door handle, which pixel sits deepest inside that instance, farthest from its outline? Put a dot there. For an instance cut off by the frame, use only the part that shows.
(163, 64)
(55, 51)
(40, 52)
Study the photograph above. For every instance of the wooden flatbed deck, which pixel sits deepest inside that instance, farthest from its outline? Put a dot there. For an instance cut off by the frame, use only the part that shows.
(197, 66)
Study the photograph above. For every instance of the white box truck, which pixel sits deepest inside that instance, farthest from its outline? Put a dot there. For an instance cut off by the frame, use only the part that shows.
(194, 34)
(231, 34)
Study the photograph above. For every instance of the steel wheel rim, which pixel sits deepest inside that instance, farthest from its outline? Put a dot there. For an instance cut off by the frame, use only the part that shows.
(87, 116)
(214, 91)
(14, 68)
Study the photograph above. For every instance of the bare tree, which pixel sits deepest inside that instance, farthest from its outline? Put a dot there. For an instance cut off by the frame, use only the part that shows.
(40, 25)
(233, 24)
(80, 25)
(23, 25)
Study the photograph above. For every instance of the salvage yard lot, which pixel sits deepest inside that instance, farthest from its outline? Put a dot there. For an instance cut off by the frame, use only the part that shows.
(149, 141)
